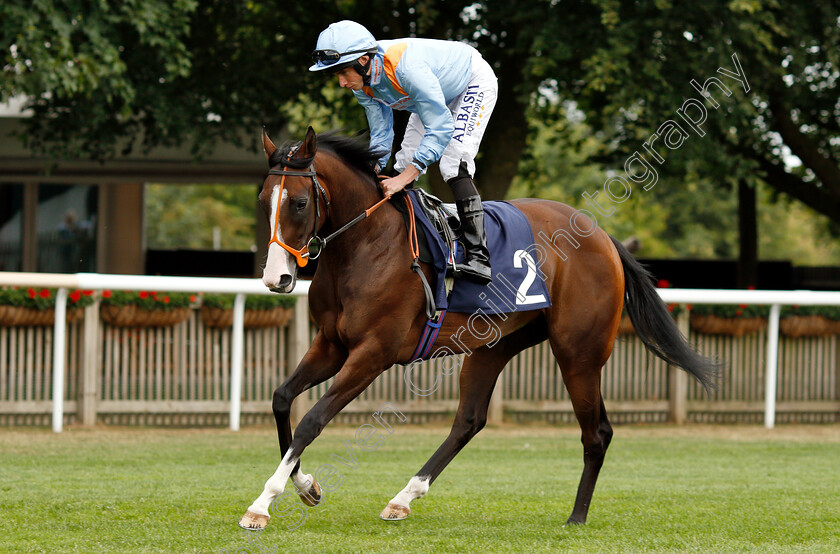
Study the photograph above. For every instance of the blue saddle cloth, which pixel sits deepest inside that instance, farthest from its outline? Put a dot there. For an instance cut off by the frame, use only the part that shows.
(517, 284)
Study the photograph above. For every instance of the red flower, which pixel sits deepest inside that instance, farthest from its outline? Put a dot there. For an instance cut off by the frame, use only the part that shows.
(166, 300)
(738, 313)
(663, 284)
(106, 294)
(670, 307)
(742, 306)
(144, 294)
(688, 306)
(87, 292)
(31, 293)
(154, 294)
(75, 296)
(192, 298)
(45, 293)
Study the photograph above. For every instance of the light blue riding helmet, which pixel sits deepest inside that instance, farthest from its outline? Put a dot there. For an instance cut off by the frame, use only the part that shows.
(340, 45)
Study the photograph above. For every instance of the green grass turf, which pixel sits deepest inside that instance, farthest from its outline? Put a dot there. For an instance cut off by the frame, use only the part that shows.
(662, 489)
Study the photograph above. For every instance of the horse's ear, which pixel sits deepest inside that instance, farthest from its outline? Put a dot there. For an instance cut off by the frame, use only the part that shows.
(268, 146)
(310, 144)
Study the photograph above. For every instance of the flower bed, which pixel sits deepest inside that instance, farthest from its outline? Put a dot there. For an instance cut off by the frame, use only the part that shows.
(260, 310)
(728, 319)
(145, 308)
(33, 307)
(809, 321)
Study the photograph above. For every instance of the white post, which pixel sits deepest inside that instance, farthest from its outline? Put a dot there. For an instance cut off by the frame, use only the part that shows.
(496, 408)
(772, 367)
(59, 329)
(678, 379)
(298, 346)
(91, 368)
(236, 360)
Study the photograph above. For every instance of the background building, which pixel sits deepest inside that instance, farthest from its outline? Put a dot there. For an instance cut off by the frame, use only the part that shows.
(88, 216)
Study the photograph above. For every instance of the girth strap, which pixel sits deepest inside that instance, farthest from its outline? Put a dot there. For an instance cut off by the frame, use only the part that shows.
(428, 338)
(414, 244)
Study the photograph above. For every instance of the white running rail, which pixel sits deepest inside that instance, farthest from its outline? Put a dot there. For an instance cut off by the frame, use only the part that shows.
(241, 287)
(98, 281)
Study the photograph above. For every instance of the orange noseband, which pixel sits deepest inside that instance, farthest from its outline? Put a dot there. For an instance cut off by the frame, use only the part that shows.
(302, 255)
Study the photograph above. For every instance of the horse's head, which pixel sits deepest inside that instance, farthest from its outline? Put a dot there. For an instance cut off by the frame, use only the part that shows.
(291, 200)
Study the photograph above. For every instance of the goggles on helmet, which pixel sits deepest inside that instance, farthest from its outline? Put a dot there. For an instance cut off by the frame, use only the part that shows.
(329, 57)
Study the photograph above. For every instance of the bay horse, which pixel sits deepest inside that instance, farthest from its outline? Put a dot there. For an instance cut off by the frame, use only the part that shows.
(369, 309)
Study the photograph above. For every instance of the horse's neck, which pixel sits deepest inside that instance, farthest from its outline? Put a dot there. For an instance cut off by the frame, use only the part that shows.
(350, 195)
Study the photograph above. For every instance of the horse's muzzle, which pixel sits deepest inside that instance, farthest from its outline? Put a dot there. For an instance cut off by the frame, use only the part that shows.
(285, 285)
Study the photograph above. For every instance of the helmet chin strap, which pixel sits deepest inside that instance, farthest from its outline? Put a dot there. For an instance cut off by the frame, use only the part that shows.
(363, 70)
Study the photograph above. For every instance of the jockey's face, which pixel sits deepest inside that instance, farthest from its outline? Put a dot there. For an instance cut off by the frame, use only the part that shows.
(350, 78)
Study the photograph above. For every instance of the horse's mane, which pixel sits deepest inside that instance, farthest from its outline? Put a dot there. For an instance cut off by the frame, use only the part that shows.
(355, 151)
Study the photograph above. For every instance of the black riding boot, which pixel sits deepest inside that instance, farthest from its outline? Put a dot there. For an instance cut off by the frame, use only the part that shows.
(476, 267)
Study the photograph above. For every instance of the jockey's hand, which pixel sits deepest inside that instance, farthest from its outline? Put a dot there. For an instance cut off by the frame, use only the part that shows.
(392, 185)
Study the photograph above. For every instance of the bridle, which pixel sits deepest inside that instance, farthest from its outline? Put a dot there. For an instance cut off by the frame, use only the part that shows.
(315, 245)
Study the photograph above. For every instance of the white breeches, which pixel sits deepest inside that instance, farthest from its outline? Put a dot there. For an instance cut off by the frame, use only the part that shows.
(471, 112)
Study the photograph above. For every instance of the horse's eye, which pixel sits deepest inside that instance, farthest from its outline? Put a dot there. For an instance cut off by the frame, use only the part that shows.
(301, 204)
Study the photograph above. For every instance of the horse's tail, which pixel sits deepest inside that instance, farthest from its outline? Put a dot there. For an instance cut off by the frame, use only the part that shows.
(656, 327)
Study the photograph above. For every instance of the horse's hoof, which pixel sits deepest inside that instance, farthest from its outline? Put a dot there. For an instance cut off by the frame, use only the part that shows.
(573, 523)
(252, 520)
(394, 512)
(312, 497)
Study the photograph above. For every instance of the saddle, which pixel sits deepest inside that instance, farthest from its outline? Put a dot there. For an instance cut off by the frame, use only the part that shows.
(510, 240)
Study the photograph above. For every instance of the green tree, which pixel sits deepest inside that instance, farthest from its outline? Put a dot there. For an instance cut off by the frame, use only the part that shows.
(692, 219)
(185, 216)
(95, 73)
(637, 71)
(687, 217)
(776, 122)
(102, 77)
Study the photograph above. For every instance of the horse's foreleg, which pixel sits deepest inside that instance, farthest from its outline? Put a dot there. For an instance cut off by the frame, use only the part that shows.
(355, 376)
(477, 380)
(321, 361)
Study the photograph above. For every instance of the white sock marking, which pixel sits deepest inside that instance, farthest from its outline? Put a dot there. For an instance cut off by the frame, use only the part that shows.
(416, 488)
(275, 486)
(303, 481)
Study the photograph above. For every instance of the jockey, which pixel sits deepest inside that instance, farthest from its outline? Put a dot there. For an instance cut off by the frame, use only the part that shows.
(451, 92)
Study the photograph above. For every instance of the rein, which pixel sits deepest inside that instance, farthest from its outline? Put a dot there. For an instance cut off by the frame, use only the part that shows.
(315, 245)
(322, 242)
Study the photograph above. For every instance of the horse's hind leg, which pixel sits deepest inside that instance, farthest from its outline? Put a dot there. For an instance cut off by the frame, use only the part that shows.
(478, 377)
(477, 380)
(583, 381)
